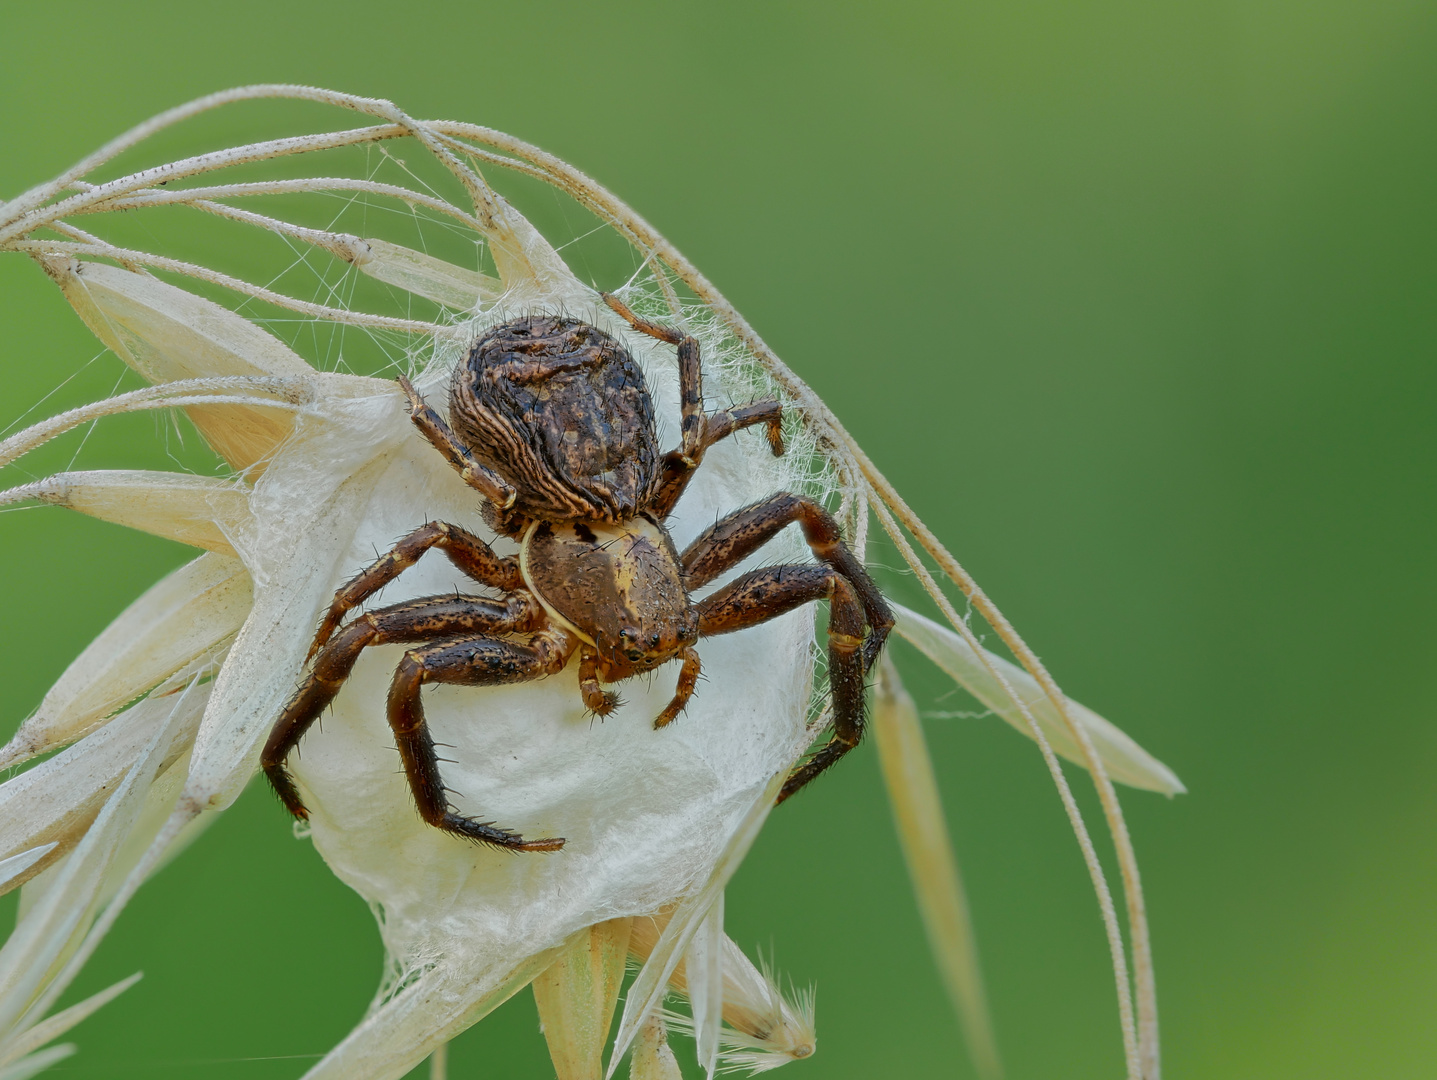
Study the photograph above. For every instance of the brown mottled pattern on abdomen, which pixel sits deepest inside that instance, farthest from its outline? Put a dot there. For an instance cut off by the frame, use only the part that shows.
(561, 409)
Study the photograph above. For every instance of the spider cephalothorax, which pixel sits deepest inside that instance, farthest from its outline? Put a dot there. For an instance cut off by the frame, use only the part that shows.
(552, 423)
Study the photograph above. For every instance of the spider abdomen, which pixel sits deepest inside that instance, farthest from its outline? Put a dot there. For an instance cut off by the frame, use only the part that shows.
(561, 410)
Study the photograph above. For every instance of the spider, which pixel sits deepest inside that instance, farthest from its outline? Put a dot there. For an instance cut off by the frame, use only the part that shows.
(553, 425)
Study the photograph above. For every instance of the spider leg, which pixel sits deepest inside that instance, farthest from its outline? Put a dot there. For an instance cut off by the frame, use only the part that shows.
(725, 423)
(466, 551)
(678, 469)
(477, 661)
(644, 326)
(481, 478)
(418, 620)
(732, 539)
(598, 701)
(691, 378)
(688, 680)
(765, 594)
(700, 430)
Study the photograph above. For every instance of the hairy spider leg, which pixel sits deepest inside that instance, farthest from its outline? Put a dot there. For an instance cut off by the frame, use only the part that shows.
(597, 700)
(724, 423)
(602, 702)
(471, 555)
(691, 377)
(418, 620)
(688, 681)
(678, 470)
(732, 539)
(644, 326)
(478, 661)
(766, 594)
(700, 430)
(498, 491)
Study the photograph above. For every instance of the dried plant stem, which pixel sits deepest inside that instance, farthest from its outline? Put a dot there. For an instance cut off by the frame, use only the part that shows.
(66, 229)
(117, 146)
(185, 196)
(288, 394)
(17, 224)
(214, 277)
(73, 233)
(344, 246)
(27, 213)
(22, 210)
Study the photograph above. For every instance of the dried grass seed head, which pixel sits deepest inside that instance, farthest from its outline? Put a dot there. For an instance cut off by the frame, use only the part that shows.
(324, 468)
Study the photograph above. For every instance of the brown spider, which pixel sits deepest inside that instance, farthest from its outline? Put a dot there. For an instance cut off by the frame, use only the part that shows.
(554, 426)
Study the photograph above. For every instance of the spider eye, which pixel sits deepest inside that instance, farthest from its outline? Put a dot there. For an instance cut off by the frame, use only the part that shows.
(654, 640)
(635, 654)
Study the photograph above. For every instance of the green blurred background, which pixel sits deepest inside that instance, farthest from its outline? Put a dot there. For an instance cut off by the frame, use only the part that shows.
(1133, 302)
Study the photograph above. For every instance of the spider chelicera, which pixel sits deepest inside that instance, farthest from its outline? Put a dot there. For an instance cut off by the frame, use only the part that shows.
(553, 425)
